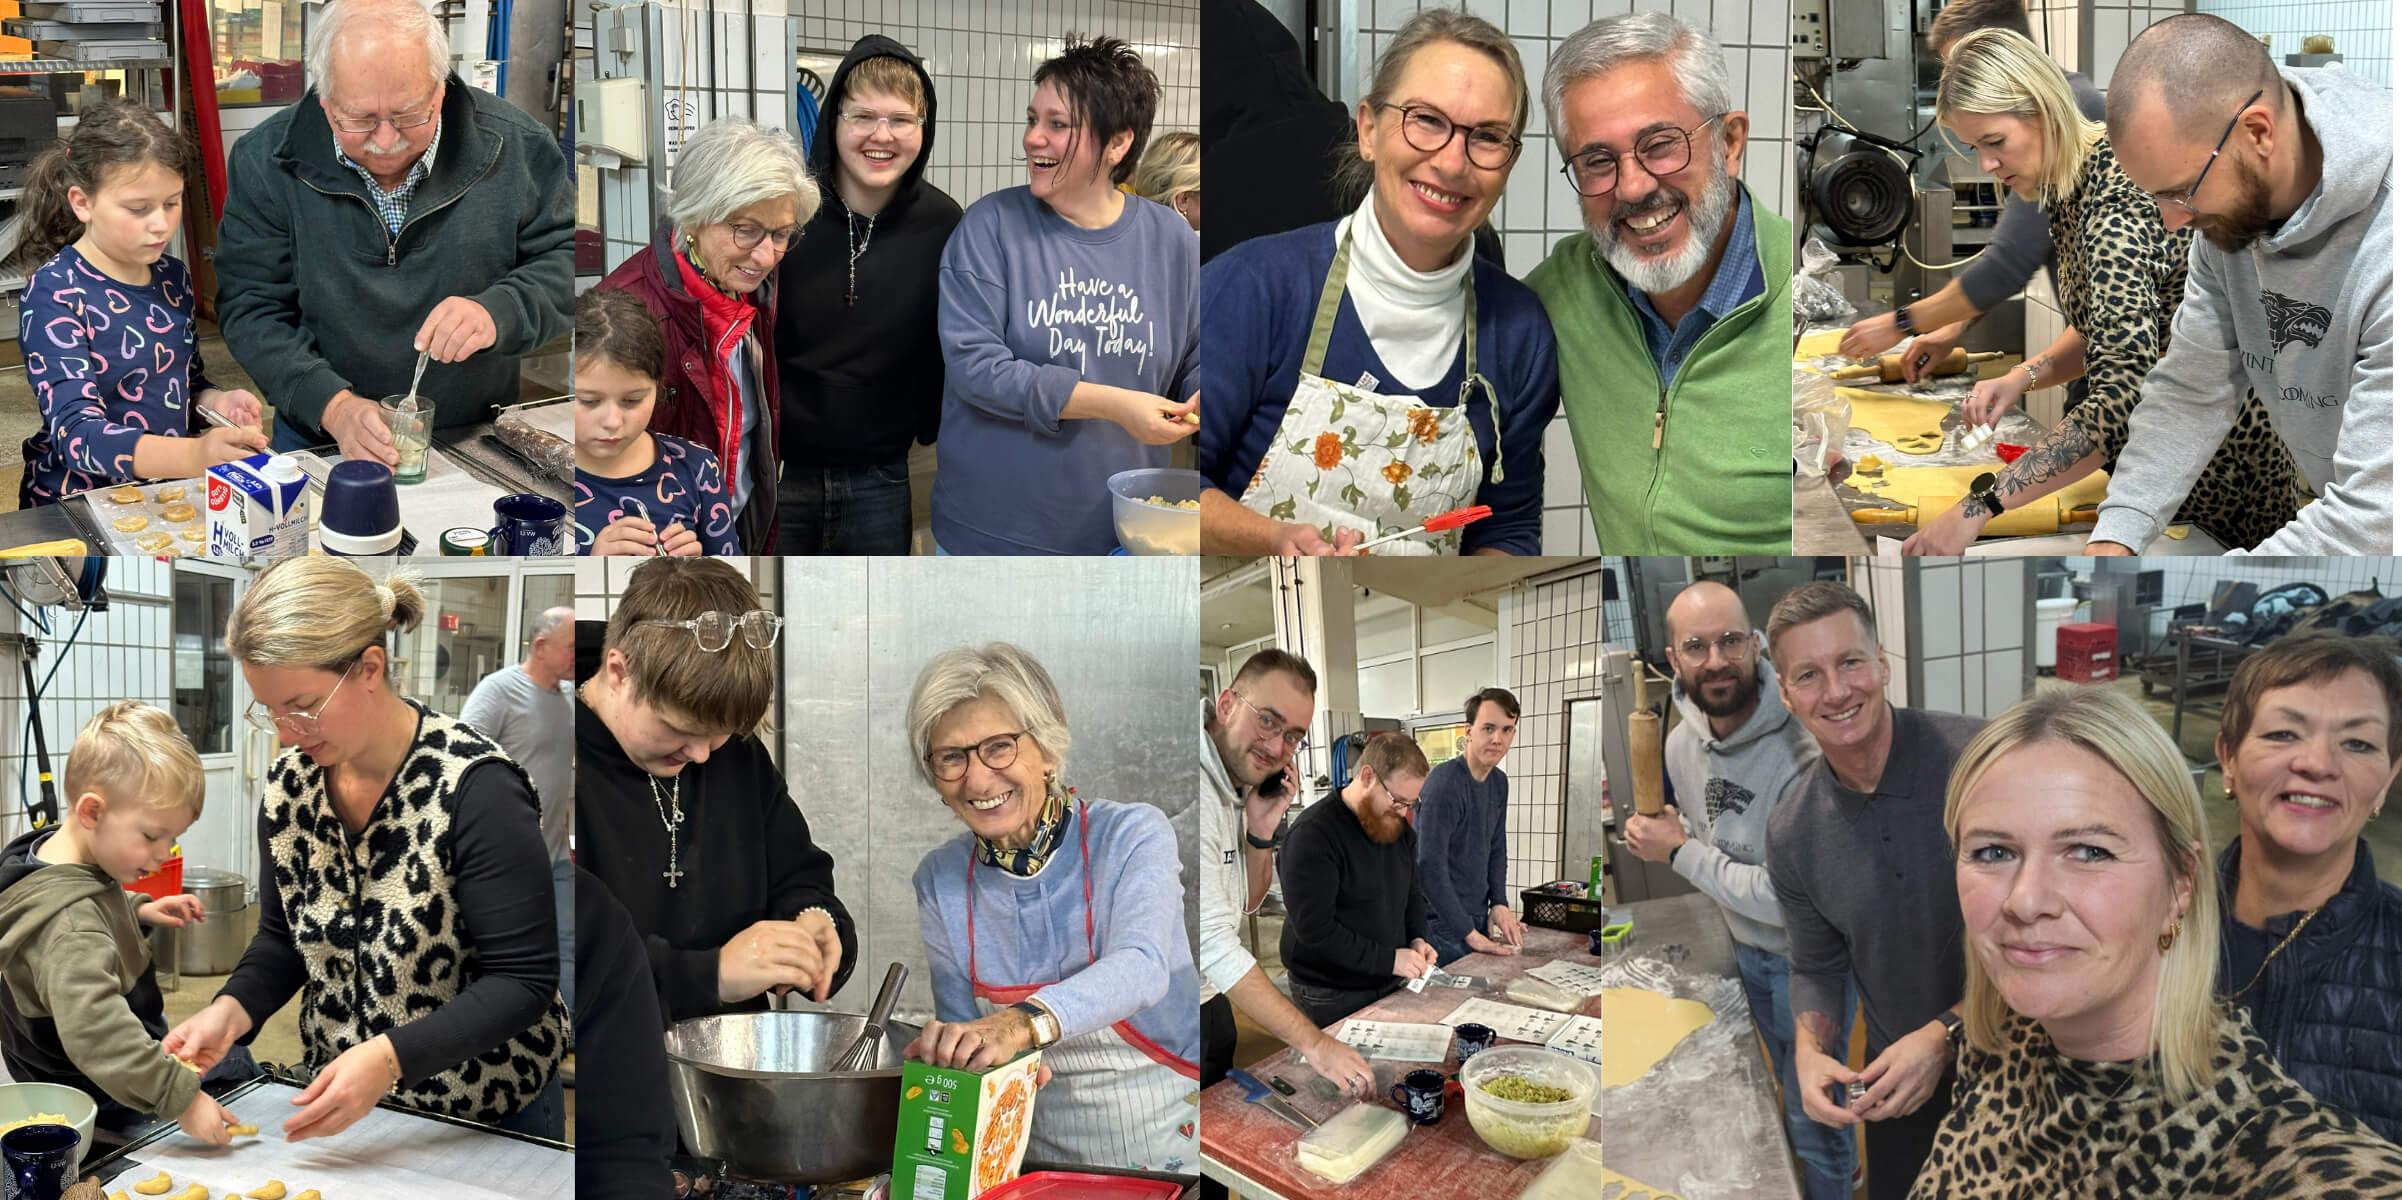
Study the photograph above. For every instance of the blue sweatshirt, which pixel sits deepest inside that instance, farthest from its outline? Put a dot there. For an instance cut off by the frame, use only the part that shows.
(1259, 300)
(108, 362)
(1463, 857)
(682, 486)
(1031, 306)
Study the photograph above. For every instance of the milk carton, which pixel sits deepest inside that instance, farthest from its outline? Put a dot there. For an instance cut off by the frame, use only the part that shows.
(258, 507)
(962, 1134)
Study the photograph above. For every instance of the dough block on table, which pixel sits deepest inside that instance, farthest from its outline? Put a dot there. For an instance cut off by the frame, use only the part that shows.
(1351, 1141)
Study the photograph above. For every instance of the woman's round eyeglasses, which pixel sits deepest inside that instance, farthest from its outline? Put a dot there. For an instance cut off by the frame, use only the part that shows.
(997, 752)
(1429, 130)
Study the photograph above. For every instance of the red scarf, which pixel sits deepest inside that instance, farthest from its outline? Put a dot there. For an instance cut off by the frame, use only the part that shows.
(725, 320)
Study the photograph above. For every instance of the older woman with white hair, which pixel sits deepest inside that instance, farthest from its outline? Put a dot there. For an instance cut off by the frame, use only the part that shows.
(738, 199)
(394, 209)
(2095, 1058)
(1053, 923)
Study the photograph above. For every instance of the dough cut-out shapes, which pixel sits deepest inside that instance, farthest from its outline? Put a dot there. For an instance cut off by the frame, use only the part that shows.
(156, 1185)
(273, 1190)
(171, 493)
(132, 523)
(178, 513)
(126, 495)
(242, 1130)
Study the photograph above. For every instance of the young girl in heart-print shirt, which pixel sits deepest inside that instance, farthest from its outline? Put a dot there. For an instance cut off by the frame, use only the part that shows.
(636, 492)
(107, 328)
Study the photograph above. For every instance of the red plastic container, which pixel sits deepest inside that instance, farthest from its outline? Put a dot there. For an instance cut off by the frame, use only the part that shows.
(1075, 1185)
(162, 883)
(2087, 652)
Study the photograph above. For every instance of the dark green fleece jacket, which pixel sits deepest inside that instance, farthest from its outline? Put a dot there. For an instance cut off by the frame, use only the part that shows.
(315, 295)
(71, 949)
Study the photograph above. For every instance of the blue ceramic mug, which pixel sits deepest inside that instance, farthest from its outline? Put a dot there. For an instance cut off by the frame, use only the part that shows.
(529, 525)
(1473, 1040)
(1420, 1094)
(40, 1159)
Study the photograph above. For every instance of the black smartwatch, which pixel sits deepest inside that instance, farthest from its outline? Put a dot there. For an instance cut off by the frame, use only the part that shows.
(1257, 843)
(1951, 1022)
(1980, 492)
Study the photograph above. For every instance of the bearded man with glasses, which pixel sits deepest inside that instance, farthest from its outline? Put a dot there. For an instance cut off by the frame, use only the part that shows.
(1679, 282)
(393, 210)
(681, 812)
(1355, 918)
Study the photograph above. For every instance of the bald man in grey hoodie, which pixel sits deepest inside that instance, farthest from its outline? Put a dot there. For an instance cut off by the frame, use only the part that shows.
(1730, 758)
(2291, 289)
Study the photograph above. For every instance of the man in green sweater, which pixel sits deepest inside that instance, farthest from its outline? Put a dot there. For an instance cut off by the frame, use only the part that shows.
(1681, 281)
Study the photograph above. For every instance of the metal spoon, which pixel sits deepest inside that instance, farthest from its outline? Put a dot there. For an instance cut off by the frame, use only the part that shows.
(415, 379)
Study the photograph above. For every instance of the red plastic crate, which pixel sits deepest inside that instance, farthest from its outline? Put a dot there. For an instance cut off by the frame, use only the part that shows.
(162, 883)
(2087, 652)
(1076, 1185)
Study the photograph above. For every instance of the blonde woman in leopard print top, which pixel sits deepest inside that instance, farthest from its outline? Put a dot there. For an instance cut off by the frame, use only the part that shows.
(2094, 1058)
(2121, 274)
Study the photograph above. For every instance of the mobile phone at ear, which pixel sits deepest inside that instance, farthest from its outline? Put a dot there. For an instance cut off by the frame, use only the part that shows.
(1278, 784)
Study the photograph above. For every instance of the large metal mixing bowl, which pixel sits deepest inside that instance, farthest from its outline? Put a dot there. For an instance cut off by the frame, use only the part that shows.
(753, 1090)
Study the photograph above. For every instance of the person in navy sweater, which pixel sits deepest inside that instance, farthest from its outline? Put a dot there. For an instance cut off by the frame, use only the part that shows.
(1372, 373)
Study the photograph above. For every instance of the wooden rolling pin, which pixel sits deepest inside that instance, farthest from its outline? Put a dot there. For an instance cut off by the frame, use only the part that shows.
(2042, 516)
(1888, 367)
(1643, 746)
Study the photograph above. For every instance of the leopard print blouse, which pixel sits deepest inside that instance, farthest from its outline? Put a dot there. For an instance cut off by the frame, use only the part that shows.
(2031, 1122)
(2121, 276)
(375, 918)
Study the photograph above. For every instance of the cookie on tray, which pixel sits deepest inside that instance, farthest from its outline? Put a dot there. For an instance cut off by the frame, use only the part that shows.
(131, 523)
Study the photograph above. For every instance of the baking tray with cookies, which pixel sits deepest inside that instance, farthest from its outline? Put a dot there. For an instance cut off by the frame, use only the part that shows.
(166, 517)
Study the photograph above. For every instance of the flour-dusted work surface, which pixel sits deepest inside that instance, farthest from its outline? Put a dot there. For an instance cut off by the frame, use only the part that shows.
(385, 1156)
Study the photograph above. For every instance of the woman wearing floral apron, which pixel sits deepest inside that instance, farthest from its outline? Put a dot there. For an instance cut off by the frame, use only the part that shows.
(1053, 923)
(1372, 373)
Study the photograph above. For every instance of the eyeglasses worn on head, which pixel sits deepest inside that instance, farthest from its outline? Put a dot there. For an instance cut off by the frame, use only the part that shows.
(866, 122)
(997, 752)
(714, 631)
(1732, 644)
(1428, 130)
(748, 236)
(2186, 201)
(1666, 152)
(300, 723)
(1272, 725)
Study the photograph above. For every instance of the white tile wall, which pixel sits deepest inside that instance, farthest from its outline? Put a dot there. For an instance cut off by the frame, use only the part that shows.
(2363, 29)
(982, 54)
(1966, 629)
(1550, 652)
(1540, 208)
(121, 654)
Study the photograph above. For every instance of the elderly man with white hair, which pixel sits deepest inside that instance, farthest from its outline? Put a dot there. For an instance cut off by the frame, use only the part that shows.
(737, 201)
(528, 709)
(393, 209)
(1679, 280)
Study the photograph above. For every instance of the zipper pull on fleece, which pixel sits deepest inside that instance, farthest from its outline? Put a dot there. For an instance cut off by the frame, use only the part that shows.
(1659, 421)
(391, 253)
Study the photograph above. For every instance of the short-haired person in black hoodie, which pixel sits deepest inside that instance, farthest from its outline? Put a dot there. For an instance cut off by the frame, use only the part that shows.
(862, 369)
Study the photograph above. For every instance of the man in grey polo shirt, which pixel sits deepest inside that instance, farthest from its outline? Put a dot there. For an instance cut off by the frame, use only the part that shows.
(525, 707)
(1863, 873)
(1732, 758)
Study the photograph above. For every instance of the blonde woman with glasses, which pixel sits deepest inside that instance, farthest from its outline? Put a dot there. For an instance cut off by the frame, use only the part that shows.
(2094, 1058)
(1052, 922)
(2121, 274)
(407, 892)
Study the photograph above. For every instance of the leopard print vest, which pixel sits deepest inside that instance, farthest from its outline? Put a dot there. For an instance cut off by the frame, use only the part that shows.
(375, 920)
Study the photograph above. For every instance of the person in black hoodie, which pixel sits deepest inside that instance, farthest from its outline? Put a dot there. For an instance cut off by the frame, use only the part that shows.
(862, 369)
(624, 1130)
(680, 810)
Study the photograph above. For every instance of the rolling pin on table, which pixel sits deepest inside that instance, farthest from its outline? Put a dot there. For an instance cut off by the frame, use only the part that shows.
(1888, 367)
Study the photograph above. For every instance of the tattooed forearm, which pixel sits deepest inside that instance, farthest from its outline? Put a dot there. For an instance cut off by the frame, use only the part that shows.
(1816, 1029)
(2058, 453)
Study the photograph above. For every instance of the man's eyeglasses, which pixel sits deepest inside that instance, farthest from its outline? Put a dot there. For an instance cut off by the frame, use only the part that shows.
(2186, 201)
(997, 752)
(867, 122)
(747, 236)
(1271, 725)
(1427, 129)
(1733, 644)
(715, 630)
(302, 724)
(1409, 804)
(1595, 172)
(399, 122)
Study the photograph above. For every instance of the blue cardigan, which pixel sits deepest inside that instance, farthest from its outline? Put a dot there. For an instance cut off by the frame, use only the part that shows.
(1257, 302)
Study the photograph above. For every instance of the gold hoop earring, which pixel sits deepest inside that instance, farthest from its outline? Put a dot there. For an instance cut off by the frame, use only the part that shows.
(2170, 938)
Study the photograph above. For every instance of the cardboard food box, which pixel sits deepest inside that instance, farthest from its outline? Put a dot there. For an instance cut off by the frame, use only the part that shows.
(962, 1134)
(258, 507)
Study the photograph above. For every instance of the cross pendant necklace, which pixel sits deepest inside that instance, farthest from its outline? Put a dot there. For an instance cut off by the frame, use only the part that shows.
(850, 298)
(670, 800)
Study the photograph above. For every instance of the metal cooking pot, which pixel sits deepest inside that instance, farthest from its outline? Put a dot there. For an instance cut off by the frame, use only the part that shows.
(752, 1089)
(213, 946)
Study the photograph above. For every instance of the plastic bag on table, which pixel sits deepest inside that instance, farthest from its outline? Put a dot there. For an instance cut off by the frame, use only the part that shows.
(547, 451)
(1822, 421)
(1815, 297)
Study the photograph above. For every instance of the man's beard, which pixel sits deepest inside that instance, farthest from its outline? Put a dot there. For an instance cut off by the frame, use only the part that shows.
(1383, 828)
(1747, 690)
(1703, 223)
(2247, 220)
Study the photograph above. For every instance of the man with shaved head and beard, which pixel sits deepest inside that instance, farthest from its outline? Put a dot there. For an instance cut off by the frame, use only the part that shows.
(2287, 173)
(1734, 752)
(1680, 281)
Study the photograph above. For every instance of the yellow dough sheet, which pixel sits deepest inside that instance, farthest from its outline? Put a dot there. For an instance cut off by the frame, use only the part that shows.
(1640, 1028)
(1908, 424)
(1818, 345)
(1631, 1190)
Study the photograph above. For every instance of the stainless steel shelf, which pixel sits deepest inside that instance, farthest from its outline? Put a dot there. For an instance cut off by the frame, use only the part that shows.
(45, 66)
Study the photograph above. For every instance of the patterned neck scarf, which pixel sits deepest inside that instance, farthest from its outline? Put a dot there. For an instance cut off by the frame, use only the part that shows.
(1048, 829)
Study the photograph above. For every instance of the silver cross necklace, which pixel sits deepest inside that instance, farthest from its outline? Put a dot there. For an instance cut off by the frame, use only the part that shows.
(670, 801)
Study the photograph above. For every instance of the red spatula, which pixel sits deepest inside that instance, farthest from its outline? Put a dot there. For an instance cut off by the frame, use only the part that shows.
(1435, 524)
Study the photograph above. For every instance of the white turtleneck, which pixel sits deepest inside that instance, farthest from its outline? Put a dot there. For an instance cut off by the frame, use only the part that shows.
(1413, 318)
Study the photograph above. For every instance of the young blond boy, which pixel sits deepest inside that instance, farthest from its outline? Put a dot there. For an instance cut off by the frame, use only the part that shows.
(79, 1004)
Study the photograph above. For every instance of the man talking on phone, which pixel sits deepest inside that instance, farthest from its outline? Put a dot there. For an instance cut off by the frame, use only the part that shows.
(1249, 735)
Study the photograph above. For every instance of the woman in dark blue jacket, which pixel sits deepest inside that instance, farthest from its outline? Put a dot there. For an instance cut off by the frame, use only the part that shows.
(2311, 941)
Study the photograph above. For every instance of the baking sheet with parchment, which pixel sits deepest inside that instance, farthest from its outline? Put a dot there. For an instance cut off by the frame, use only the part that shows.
(385, 1156)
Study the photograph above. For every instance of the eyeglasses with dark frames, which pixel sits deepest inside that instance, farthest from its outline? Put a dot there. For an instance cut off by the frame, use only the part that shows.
(748, 236)
(1429, 130)
(2186, 201)
(996, 752)
(1664, 153)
